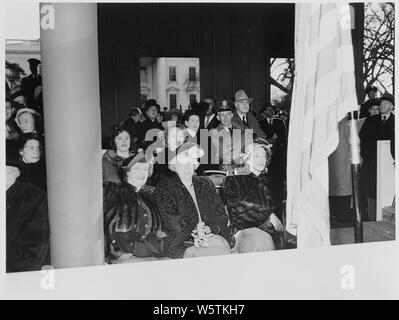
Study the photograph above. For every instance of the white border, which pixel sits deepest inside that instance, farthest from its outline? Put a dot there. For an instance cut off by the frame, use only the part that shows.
(290, 274)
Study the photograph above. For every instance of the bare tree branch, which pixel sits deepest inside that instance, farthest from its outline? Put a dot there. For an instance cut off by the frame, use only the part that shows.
(378, 57)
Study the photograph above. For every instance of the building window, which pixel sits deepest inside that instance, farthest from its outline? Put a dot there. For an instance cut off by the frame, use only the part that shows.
(172, 101)
(193, 99)
(172, 73)
(191, 74)
(143, 99)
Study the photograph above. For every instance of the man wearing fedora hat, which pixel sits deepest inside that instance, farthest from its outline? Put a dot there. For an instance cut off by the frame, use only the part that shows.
(243, 118)
(377, 127)
(228, 139)
(371, 92)
(151, 112)
(31, 82)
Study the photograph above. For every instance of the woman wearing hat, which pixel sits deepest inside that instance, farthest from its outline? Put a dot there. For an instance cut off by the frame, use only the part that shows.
(32, 164)
(165, 149)
(131, 218)
(120, 149)
(28, 120)
(251, 203)
(193, 216)
(371, 92)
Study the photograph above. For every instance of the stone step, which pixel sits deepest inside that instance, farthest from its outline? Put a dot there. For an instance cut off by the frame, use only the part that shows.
(372, 231)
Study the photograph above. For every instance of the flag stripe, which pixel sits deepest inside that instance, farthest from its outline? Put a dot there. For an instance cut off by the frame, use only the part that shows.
(327, 59)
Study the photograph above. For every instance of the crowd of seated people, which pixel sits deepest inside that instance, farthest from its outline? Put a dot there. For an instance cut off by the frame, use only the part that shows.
(27, 224)
(158, 200)
(168, 206)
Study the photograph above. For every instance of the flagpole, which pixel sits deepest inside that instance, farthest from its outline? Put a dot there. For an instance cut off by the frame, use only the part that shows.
(355, 165)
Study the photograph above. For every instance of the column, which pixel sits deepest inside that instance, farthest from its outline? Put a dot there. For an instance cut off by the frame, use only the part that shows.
(72, 133)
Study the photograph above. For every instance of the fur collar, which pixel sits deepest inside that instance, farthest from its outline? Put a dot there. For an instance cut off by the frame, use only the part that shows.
(112, 157)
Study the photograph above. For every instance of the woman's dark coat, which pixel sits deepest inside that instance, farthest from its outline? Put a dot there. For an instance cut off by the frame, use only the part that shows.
(27, 228)
(249, 201)
(161, 167)
(179, 215)
(34, 173)
(141, 238)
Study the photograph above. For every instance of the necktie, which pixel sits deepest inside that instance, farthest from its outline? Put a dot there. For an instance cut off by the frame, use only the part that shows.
(384, 119)
(231, 131)
(244, 119)
(207, 120)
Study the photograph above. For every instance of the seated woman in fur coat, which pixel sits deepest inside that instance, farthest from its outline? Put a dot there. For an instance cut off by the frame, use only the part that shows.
(131, 217)
(121, 147)
(192, 214)
(165, 149)
(249, 201)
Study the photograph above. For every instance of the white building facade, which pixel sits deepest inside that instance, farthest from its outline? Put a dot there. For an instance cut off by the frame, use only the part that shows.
(173, 82)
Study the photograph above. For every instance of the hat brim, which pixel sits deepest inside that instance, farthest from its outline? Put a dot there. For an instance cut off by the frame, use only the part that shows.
(244, 99)
(189, 152)
(22, 110)
(224, 109)
(388, 99)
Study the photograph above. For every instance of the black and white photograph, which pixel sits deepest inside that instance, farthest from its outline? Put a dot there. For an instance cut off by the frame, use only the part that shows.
(243, 143)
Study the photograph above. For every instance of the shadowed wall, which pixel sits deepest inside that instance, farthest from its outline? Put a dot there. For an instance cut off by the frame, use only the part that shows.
(233, 41)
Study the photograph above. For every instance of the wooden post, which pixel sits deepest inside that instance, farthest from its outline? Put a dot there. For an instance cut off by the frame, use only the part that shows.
(355, 165)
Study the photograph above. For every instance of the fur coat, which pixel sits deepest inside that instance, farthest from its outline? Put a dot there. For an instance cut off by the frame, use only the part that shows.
(131, 222)
(179, 215)
(27, 228)
(249, 201)
(110, 164)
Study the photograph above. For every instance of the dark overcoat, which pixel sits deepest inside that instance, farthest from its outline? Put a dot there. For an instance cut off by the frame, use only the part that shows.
(27, 228)
(179, 215)
(249, 201)
(252, 124)
(131, 222)
(373, 130)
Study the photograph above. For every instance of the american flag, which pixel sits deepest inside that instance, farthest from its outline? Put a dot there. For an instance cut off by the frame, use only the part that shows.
(324, 91)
